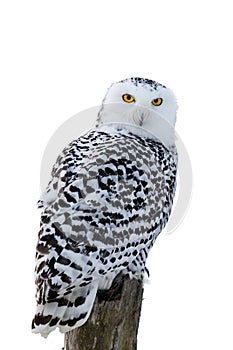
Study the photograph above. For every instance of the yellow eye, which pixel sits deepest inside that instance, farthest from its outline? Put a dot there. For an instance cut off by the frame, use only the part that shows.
(128, 98)
(157, 101)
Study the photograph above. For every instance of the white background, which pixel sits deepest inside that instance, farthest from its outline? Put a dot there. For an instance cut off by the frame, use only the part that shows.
(58, 58)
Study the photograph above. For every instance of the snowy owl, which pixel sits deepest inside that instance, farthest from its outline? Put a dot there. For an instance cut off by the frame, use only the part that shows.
(110, 195)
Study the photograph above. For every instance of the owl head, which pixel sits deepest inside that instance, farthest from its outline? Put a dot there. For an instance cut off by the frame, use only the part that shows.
(142, 105)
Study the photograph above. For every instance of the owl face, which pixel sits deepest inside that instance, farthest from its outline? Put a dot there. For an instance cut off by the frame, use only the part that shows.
(139, 102)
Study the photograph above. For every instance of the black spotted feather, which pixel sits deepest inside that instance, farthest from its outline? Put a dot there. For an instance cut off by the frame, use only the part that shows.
(109, 197)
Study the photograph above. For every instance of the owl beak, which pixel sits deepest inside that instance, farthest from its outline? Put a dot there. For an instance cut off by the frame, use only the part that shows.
(141, 119)
(139, 115)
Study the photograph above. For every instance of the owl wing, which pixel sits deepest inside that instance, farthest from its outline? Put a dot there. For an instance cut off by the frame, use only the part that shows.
(109, 197)
(105, 192)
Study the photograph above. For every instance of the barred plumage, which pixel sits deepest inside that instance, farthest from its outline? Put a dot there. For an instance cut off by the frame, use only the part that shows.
(109, 197)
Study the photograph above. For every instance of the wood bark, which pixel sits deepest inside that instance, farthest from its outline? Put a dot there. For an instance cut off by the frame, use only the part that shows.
(113, 323)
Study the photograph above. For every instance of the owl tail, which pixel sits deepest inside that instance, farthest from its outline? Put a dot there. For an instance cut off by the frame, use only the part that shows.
(67, 312)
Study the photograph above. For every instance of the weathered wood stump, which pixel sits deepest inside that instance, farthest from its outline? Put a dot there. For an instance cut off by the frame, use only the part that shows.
(113, 323)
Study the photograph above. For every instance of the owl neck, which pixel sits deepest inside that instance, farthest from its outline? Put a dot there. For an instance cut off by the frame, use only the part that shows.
(162, 132)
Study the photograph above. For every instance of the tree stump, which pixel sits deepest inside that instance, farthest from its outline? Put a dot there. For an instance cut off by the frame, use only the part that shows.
(113, 323)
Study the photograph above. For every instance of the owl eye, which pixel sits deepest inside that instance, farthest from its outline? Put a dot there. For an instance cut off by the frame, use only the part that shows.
(128, 98)
(157, 101)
